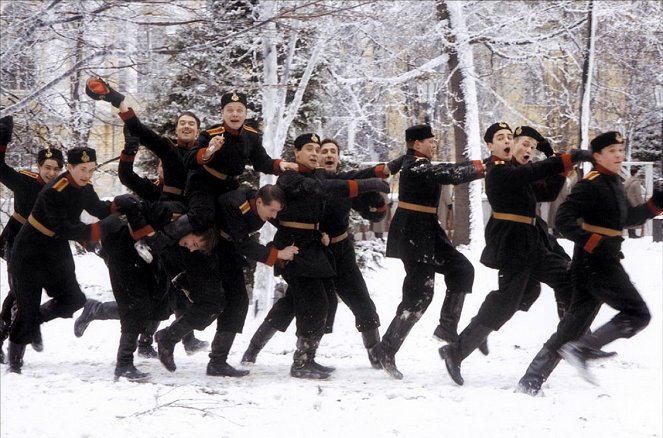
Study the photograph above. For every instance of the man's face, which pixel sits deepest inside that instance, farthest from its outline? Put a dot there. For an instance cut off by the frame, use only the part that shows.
(502, 145)
(611, 157)
(187, 129)
(82, 173)
(234, 114)
(523, 149)
(268, 211)
(329, 156)
(49, 169)
(425, 147)
(192, 242)
(308, 155)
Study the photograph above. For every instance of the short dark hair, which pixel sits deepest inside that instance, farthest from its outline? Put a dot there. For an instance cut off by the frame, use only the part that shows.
(332, 141)
(190, 114)
(634, 170)
(210, 238)
(270, 193)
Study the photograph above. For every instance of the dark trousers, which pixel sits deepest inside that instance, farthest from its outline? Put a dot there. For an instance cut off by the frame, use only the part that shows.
(310, 303)
(351, 287)
(236, 301)
(597, 283)
(515, 288)
(204, 289)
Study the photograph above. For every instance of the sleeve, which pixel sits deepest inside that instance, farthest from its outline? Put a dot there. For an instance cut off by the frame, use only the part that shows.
(548, 189)
(449, 173)
(260, 160)
(368, 172)
(55, 209)
(580, 200)
(539, 170)
(11, 178)
(241, 236)
(142, 187)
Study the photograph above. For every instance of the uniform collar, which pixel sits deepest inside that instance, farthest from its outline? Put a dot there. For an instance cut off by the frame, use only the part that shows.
(71, 181)
(604, 171)
(231, 131)
(185, 144)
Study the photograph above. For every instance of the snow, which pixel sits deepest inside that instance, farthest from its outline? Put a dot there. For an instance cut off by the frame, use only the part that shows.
(68, 390)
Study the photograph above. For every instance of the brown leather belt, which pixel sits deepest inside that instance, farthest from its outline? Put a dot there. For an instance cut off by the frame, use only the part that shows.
(417, 207)
(173, 190)
(601, 230)
(18, 217)
(299, 225)
(515, 218)
(339, 238)
(221, 176)
(39, 227)
(225, 235)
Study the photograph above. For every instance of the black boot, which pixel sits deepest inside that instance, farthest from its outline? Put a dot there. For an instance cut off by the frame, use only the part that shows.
(260, 338)
(37, 341)
(3, 359)
(125, 359)
(4, 332)
(302, 363)
(145, 340)
(167, 339)
(538, 371)
(392, 341)
(452, 307)
(588, 347)
(15, 353)
(92, 310)
(192, 345)
(372, 343)
(454, 354)
(218, 365)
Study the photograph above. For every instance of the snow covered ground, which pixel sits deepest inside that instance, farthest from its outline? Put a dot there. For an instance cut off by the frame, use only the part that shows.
(68, 390)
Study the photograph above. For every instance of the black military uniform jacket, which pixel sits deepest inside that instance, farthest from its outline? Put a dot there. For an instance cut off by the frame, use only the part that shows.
(55, 219)
(599, 200)
(169, 152)
(237, 218)
(143, 187)
(26, 186)
(417, 235)
(306, 192)
(514, 190)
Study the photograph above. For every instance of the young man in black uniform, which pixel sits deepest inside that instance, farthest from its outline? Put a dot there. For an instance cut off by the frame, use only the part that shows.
(348, 282)
(298, 224)
(239, 214)
(171, 153)
(594, 216)
(515, 242)
(416, 237)
(42, 257)
(26, 186)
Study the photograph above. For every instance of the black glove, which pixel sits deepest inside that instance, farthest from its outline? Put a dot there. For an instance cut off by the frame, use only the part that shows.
(544, 146)
(578, 155)
(126, 202)
(395, 164)
(131, 142)
(6, 129)
(372, 185)
(609, 247)
(98, 89)
(178, 229)
(657, 198)
(111, 224)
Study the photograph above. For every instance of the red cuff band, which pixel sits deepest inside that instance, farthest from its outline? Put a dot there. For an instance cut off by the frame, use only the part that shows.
(592, 242)
(277, 168)
(481, 169)
(379, 171)
(127, 115)
(568, 164)
(653, 208)
(113, 207)
(127, 158)
(271, 259)
(95, 232)
(354, 188)
(199, 156)
(138, 234)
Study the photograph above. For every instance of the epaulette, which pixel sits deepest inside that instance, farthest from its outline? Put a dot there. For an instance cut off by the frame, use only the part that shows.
(499, 162)
(593, 174)
(60, 185)
(245, 207)
(250, 129)
(30, 174)
(216, 130)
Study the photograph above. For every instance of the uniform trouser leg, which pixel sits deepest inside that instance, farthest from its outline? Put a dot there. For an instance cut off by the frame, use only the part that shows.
(418, 289)
(218, 363)
(28, 297)
(282, 312)
(260, 338)
(332, 301)
(459, 277)
(310, 305)
(67, 298)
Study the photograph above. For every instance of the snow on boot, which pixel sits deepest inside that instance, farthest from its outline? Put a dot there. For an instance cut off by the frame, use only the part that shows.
(146, 350)
(3, 359)
(125, 359)
(131, 373)
(192, 345)
(393, 339)
(538, 372)
(15, 354)
(145, 340)
(371, 339)
(577, 355)
(302, 364)
(166, 349)
(218, 365)
(260, 338)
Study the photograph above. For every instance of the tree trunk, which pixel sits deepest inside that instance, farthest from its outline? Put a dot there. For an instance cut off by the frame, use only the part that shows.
(587, 74)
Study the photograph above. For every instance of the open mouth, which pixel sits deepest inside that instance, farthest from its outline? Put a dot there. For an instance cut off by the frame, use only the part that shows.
(507, 150)
(526, 157)
(329, 162)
